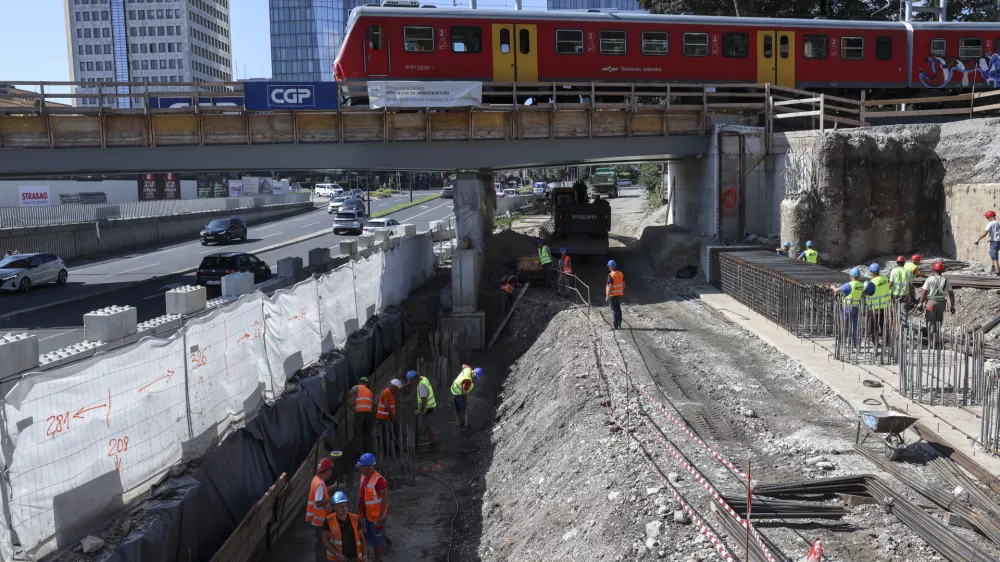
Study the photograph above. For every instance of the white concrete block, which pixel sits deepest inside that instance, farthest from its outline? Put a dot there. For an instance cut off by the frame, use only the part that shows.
(273, 284)
(110, 324)
(348, 247)
(186, 300)
(236, 284)
(18, 353)
(466, 269)
(319, 257)
(365, 241)
(382, 235)
(394, 241)
(409, 229)
(71, 353)
(289, 267)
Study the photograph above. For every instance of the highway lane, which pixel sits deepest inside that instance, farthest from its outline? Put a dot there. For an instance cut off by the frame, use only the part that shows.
(115, 272)
(59, 326)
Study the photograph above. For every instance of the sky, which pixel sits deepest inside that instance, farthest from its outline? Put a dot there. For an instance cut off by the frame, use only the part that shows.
(38, 28)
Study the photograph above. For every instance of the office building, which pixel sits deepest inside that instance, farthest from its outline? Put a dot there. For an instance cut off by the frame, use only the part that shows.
(154, 41)
(602, 5)
(306, 36)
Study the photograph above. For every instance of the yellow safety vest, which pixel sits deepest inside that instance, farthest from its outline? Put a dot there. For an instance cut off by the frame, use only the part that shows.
(901, 279)
(431, 402)
(857, 289)
(912, 268)
(811, 255)
(456, 386)
(880, 299)
(544, 256)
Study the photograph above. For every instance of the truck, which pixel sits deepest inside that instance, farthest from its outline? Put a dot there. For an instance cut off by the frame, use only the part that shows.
(604, 181)
(580, 225)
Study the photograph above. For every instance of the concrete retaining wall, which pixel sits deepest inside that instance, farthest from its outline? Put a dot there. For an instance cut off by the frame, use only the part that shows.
(963, 222)
(512, 204)
(76, 241)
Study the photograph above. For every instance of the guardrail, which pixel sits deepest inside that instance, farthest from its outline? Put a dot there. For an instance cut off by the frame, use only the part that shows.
(11, 217)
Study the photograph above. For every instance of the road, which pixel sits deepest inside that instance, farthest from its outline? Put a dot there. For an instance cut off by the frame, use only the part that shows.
(140, 278)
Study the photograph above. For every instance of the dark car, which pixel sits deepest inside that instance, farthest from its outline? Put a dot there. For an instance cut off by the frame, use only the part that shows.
(352, 204)
(216, 266)
(224, 231)
(357, 193)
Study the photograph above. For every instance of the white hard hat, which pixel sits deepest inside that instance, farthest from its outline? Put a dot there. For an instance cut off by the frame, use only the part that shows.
(396, 382)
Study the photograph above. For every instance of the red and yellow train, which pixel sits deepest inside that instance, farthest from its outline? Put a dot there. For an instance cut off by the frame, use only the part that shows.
(558, 46)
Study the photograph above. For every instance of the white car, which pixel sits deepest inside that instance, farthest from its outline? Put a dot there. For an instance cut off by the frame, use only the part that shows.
(335, 204)
(375, 225)
(500, 193)
(510, 192)
(21, 272)
(328, 190)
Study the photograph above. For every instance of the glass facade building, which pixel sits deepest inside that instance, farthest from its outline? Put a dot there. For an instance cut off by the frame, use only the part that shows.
(306, 36)
(602, 5)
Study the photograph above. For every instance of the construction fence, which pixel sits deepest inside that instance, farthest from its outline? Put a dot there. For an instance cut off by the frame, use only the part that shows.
(82, 441)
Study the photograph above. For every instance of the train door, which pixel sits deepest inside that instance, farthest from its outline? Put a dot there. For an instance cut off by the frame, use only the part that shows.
(776, 58)
(515, 52)
(376, 50)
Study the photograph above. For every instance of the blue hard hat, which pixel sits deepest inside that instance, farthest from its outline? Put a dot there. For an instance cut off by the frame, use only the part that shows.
(410, 375)
(874, 268)
(562, 250)
(787, 244)
(367, 459)
(339, 497)
(855, 272)
(478, 372)
(809, 244)
(613, 263)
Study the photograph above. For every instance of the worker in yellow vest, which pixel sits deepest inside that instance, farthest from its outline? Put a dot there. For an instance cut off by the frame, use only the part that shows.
(566, 279)
(345, 539)
(361, 399)
(460, 389)
(901, 285)
(809, 255)
(852, 291)
(425, 406)
(878, 294)
(545, 257)
(914, 266)
(318, 506)
(374, 497)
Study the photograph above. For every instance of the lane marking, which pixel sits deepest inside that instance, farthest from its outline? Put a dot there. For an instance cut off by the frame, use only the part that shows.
(137, 268)
(154, 296)
(310, 224)
(264, 227)
(270, 235)
(425, 212)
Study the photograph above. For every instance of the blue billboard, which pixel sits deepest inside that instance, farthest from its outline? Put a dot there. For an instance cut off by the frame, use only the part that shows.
(269, 96)
(157, 102)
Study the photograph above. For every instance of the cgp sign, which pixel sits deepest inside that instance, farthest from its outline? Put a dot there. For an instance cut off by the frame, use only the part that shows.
(269, 96)
(33, 196)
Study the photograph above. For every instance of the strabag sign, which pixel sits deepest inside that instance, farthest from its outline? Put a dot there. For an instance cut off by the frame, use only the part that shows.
(33, 196)
(425, 94)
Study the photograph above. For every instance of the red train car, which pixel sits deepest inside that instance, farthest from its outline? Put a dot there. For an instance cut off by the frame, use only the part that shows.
(557, 46)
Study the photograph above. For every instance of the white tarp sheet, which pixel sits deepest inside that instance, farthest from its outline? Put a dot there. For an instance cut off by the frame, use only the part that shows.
(406, 267)
(425, 94)
(90, 433)
(227, 365)
(368, 285)
(339, 313)
(291, 332)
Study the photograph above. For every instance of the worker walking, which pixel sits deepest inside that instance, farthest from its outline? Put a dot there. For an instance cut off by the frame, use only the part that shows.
(993, 231)
(851, 292)
(613, 292)
(879, 291)
(933, 296)
(345, 540)
(425, 406)
(565, 273)
(318, 506)
(374, 503)
(460, 389)
(385, 413)
(901, 285)
(507, 285)
(809, 255)
(545, 257)
(914, 266)
(784, 249)
(361, 399)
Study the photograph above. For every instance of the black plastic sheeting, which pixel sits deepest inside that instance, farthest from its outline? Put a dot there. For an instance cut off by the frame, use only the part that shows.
(196, 513)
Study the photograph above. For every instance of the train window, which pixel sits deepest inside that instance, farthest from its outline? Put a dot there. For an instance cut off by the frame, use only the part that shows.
(613, 42)
(970, 48)
(783, 46)
(735, 44)
(505, 41)
(375, 37)
(852, 48)
(815, 46)
(654, 42)
(569, 42)
(939, 47)
(466, 40)
(418, 39)
(695, 45)
(883, 48)
(524, 41)
(768, 46)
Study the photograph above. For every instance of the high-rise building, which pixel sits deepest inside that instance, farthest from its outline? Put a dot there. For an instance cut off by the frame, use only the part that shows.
(139, 41)
(602, 5)
(306, 36)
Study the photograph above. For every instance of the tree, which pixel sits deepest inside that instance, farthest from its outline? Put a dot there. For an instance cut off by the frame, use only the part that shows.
(651, 176)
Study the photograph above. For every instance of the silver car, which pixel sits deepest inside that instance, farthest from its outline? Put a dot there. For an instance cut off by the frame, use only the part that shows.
(21, 272)
(353, 221)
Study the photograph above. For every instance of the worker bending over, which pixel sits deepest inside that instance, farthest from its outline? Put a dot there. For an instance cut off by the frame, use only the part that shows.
(345, 541)
(460, 389)
(374, 494)
(613, 292)
(386, 414)
(425, 405)
(809, 255)
(993, 231)
(783, 249)
(507, 285)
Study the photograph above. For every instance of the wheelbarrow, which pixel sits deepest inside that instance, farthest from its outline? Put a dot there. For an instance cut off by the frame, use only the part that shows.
(888, 423)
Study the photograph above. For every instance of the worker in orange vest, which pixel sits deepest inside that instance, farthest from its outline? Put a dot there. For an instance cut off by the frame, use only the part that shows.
(613, 292)
(374, 494)
(361, 399)
(345, 540)
(318, 505)
(507, 285)
(566, 279)
(385, 413)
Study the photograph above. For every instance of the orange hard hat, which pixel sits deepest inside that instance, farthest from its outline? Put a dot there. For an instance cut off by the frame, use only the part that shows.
(938, 266)
(915, 258)
(900, 259)
(990, 214)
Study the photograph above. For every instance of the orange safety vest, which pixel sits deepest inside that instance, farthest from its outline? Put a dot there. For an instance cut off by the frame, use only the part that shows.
(507, 285)
(565, 262)
(365, 399)
(617, 286)
(386, 405)
(370, 497)
(338, 541)
(315, 514)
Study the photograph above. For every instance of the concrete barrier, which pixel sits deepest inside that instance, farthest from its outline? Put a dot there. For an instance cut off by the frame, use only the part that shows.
(236, 284)
(289, 267)
(18, 352)
(186, 300)
(75, 241)
(110, 324)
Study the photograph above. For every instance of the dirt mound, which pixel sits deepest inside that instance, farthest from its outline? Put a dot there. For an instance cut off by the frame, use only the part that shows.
(502, 251)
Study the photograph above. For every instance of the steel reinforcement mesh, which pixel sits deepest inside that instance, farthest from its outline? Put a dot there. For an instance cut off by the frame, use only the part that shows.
(793, 294)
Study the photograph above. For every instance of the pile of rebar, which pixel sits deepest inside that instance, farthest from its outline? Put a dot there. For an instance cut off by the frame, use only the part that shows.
(866, 333)
(990, 428)
(765, 508)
